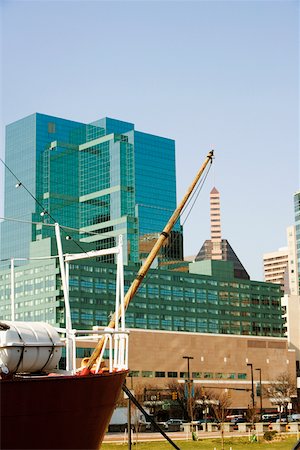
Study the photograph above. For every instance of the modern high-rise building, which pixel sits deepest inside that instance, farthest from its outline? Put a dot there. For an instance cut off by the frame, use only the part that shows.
(103, 179)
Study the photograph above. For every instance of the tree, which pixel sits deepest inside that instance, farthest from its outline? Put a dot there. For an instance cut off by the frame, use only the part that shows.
(221, 409)
(189, 412)
(281, 391)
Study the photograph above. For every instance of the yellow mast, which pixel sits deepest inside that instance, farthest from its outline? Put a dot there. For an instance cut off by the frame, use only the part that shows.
(150, 258)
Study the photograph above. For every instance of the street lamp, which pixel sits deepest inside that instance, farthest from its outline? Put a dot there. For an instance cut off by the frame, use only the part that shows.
(188, 363)
(260, 393)
(189, 386)
(252, 385)
(252, 394)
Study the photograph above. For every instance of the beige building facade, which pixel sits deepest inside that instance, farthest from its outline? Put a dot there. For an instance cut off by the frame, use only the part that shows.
(219, 362)
(293, 275)
(276, 266)
(291, 309)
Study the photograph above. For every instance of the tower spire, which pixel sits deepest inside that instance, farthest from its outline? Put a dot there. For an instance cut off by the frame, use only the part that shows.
(215, 224)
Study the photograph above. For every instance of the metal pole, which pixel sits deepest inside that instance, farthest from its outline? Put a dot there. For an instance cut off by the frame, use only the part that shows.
(189, 387)
(260, 391)
(12, 288)
(148, 418)
(129, 424)
(64, 279)
(252, 392)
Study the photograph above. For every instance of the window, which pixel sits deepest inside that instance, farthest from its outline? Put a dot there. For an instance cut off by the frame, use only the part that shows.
(172, 374)
(208, 375)
(220, 375)
(160, 374)
(134, 373)
(242, 376)
(147, 374)
(196, 374)
(51, 127)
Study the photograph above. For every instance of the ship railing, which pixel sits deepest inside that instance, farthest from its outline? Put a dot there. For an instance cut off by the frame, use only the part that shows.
(119, 328)
(115, 342)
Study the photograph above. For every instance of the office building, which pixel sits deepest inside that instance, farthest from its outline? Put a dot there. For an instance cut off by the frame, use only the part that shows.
(103, 179)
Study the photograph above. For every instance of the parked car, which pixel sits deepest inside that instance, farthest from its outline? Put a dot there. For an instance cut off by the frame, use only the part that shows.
(203, 421)
(237, 421)
(281, 419)
(174, 425)
(269, 417)
(294, 418)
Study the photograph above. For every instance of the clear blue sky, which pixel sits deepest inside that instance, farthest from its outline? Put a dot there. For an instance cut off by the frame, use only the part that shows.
(216, 73)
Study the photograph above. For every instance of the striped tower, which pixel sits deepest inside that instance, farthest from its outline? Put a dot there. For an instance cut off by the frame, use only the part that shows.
(215, 224)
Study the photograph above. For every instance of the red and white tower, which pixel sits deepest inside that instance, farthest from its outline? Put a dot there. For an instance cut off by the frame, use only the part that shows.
(215, 224)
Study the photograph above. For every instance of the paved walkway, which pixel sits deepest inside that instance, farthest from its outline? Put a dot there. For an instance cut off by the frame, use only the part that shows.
(178, 435)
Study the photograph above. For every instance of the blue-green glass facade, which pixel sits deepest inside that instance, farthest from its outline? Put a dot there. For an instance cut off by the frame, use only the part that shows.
(103, 179)
(26, 141)
(208, 299)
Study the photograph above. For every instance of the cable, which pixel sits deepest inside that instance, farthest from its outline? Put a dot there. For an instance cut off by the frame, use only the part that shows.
(21, 184)
(12, 219)
(195, 194)
(199, 188)
(40, 204)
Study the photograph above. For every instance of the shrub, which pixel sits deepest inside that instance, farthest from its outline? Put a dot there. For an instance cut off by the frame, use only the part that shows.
(269, 435)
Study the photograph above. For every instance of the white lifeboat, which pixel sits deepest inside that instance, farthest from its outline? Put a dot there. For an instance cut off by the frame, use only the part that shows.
(28, 347)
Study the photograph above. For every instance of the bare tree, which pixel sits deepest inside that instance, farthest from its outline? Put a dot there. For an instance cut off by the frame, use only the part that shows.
(221, 410)
(281, 390)
(284, 386)
(188, 404)
(251, 415)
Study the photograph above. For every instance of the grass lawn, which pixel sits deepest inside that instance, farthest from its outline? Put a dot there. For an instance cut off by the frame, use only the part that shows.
(280, 443)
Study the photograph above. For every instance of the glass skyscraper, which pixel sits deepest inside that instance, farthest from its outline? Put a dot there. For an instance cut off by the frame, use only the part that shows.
(101, 179)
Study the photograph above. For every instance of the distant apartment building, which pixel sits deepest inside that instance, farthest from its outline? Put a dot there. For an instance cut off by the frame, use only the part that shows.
(297, 226)
(276, 267)
(293, 273)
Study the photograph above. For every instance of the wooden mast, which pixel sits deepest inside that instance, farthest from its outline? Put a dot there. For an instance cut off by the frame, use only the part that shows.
(149, 260)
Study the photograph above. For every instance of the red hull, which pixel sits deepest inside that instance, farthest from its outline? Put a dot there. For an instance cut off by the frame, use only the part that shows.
(58, 412)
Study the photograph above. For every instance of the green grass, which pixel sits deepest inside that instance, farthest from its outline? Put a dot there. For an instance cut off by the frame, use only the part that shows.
(281, 443)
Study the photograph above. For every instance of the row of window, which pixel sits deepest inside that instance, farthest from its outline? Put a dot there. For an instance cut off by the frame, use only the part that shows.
(195, 375)
(45, 314)
(181, 279)
(27, 272)
(97, 285)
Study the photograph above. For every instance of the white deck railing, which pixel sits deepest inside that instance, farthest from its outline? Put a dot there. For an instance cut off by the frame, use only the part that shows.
(116, 339)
